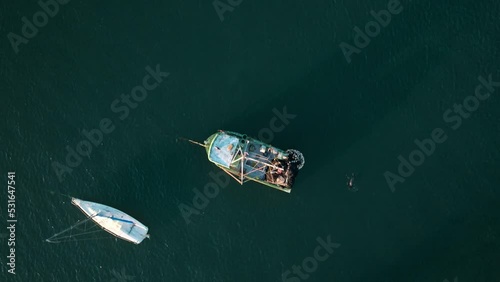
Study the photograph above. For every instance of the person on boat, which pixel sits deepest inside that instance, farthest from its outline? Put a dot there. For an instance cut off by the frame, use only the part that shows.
(350, 183)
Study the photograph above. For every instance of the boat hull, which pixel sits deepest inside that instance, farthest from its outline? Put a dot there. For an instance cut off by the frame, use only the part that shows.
(248, 159)
(113, 221)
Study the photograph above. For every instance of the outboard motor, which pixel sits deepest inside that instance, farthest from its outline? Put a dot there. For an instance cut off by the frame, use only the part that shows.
(296, 158)
(295, 163)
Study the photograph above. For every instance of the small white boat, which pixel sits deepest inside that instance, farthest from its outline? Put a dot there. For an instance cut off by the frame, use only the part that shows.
(109, 219)
(113, 221)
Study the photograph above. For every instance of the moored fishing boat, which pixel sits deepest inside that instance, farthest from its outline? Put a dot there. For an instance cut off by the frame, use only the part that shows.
(245, 158)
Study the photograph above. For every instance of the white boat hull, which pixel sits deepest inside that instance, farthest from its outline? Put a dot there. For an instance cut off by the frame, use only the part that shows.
(113, 221)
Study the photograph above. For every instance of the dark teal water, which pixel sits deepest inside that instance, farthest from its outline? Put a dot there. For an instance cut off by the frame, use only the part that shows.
(441, 223)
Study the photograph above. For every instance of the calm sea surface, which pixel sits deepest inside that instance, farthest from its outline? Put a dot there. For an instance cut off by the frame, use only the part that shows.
(440, 222)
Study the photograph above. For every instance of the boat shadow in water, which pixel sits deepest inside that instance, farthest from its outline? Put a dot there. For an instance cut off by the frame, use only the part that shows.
(335, 106)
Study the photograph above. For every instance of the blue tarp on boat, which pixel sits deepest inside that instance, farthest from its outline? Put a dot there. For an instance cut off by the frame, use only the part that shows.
(223, 149)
